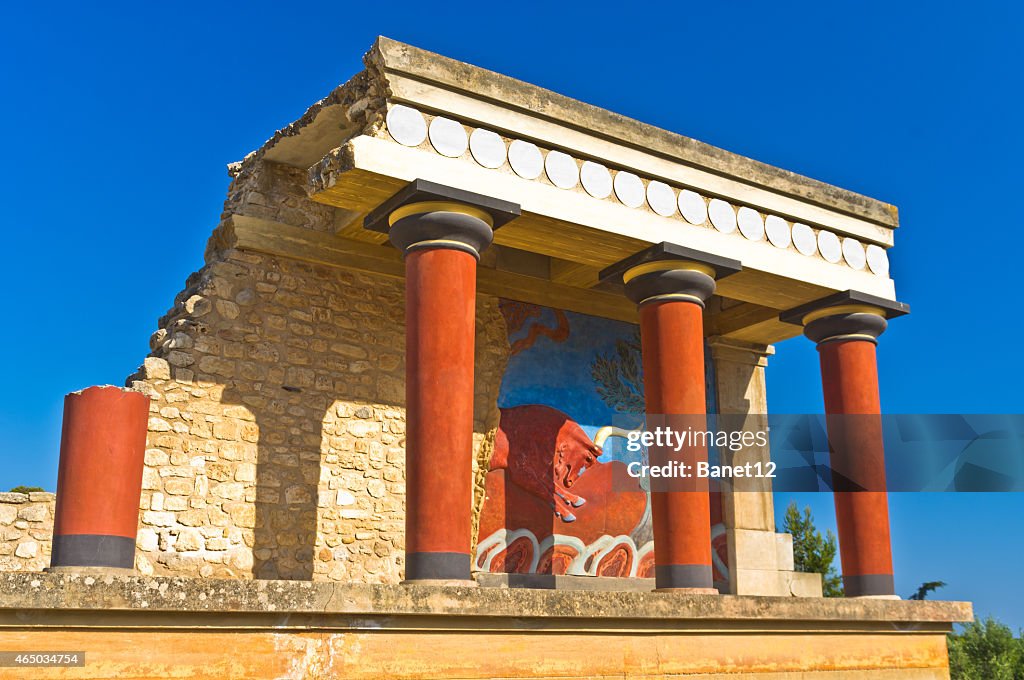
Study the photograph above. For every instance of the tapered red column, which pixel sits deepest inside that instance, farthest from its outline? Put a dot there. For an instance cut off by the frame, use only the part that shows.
(441, 233)
(672, 343)
(99, 481)
(440, 302)
(846, 329)
(670, 285)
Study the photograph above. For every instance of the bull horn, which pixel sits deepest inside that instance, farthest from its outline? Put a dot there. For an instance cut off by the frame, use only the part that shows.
(609, 431)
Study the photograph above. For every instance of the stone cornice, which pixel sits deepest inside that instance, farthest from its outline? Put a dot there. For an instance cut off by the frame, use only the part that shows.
(399, 59)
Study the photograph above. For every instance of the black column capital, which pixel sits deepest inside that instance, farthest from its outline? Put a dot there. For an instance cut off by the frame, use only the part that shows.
(429, 215)
(847, 315)
(666, 272)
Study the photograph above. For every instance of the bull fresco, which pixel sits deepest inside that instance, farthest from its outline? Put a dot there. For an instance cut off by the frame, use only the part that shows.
(573, 386)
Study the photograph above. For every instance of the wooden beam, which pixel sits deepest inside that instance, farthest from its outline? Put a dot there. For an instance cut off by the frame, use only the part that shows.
(736, 317)
(249, 233)
(573, 273)
(349, 223)
(579, 247)
(766, 332)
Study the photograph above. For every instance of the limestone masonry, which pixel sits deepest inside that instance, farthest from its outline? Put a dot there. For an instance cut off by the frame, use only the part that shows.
(26, 530)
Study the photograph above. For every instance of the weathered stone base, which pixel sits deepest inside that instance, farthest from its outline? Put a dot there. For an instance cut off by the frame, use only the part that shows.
(144, 627)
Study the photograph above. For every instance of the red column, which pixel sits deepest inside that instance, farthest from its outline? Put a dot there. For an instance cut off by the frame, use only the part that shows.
(441, 231)
(99, 481)
(670, 284)
(672, 344)
(440, 336)
(846, 327)
(850, 380)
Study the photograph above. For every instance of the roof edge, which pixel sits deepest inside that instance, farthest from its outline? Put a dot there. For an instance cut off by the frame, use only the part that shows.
(452, 74)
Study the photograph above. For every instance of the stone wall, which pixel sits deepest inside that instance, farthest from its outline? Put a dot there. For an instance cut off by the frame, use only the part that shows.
(276, 438)
(26, 527)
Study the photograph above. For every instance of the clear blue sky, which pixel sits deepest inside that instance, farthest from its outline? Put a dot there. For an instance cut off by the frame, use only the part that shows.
(118, 124)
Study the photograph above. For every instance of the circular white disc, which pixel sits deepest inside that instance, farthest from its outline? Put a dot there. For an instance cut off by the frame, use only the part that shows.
(448, 137)
(692, 207)
(804, 240)
(629, 189)
(777, 230)
(853, 253)
(661, 198)
(751, 224)
(406, 125)
(488, 148)
(878, 260)
(596, 179)
(722, 216)
(829, 247)
(525, 159)
(561, 169)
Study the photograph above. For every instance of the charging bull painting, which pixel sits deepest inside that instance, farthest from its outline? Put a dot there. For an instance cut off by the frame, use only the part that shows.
(557, 496)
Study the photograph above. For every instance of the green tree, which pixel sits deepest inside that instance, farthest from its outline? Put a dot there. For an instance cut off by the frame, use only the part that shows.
(986, 650)
(813, 552)
(925, 588)
(27, 489)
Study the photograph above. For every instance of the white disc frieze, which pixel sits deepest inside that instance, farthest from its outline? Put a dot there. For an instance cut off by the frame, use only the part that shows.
(488, 148)
(878, 260)
(692, 207)
(629, 189)
(750, 223)
(406, 125)
(525, 159)
(596, 179)
(777, 230)
(853, 253)
(722, 216)
(804, 239)
(661, 198)
(448, 137)
(561, 169)
(829, 246)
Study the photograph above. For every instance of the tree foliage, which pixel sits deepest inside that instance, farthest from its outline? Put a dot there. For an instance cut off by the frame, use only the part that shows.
(986, 650)
(812, 552)
(925, 588)
(27, 489)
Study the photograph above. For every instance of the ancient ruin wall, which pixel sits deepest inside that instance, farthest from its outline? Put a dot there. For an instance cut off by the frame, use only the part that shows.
(276, 439)
(26, 527)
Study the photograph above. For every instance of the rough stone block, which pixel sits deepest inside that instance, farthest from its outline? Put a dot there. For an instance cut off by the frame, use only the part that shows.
(27, 549)
(155, 368)
(147, 540)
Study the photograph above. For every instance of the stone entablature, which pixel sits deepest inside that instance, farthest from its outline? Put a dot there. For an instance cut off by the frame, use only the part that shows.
(552, 167)
(574, 169)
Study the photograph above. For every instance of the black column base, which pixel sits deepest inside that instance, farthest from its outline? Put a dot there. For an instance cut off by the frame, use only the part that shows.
(93, 550)
(868, 585)
(437, 566)
(687, 576)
